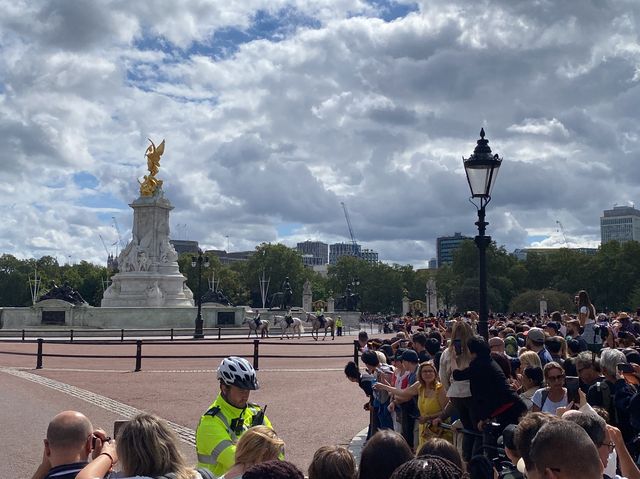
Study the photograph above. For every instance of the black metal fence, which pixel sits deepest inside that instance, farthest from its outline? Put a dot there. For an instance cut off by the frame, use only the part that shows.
(40, 353)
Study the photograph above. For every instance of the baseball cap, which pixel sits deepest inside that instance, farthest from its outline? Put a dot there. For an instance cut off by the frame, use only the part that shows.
(536, 335)
(553, 325)
(399, 353)
(411, 356)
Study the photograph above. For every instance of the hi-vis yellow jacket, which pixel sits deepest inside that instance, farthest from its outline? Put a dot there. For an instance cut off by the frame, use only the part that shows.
(219, 430)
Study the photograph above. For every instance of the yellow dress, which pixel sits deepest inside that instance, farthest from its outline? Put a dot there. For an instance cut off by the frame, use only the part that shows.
(429, 406)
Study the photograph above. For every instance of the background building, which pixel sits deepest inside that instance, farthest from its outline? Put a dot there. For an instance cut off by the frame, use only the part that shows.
(228, 258)
(521, 254)
(369, 256)
(338, 250)
(433, 263)
(621, 224)
(185, 246)
(314, 253)
(446, 245)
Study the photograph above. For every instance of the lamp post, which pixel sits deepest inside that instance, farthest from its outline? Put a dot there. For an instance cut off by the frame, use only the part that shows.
(430, 291)
(482, 169)
(199, 261)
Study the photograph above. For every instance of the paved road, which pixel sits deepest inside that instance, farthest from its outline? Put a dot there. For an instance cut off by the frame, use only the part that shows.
(309, 401)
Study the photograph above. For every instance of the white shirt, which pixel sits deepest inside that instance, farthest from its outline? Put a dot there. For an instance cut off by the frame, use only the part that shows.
(549, 405)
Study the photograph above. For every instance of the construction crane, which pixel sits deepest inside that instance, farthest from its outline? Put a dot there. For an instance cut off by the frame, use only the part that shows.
(104, 245)
(120, 242)
(354, 245)
(561, 229)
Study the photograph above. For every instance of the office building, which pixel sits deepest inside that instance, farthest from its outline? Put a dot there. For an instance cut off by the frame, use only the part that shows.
(621, 224)
(338, 250)
(369, 256)
(228, 258)
(433, 263)
(446, 245)
(314, 253)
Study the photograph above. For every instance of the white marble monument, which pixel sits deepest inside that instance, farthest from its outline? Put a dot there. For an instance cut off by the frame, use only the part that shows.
(148, 266)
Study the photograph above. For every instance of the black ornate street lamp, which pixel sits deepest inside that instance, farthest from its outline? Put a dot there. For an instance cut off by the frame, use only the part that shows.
(199, 261)
(482, 169)
(429, 292)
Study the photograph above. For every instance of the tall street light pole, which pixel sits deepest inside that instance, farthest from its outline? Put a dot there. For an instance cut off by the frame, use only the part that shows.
(199, 261)
(482, 169)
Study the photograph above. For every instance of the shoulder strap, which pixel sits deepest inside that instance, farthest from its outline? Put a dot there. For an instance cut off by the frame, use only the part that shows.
(205, 473)
(213, 411)
(545, 395)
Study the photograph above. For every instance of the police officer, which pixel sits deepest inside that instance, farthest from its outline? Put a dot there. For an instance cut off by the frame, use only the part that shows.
(339, 325)
(229, 416)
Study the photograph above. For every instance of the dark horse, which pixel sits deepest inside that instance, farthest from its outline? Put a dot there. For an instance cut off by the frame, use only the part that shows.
(280, 300)
(348, 303)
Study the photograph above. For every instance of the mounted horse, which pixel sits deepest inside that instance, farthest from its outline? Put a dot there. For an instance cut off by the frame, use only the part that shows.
(328, 324)
(290, 324)
(261, 326)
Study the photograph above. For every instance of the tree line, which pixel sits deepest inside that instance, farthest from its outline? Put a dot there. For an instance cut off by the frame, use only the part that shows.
(610, 276)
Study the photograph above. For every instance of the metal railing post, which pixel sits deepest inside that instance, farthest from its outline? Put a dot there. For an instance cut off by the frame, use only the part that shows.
(122, 335)
(356, 351)
(171, 334)
(219, 332)
(256, 346)
(39, 359)
(138, 355)
(71, 335)
(23, 334)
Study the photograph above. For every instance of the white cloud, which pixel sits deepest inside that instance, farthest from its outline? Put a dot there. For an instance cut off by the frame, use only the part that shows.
(270, 127)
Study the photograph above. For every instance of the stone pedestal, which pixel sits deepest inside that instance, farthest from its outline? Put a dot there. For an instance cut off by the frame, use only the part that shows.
(307, 297)
(330, 305)
(149, 273)
(405, 305)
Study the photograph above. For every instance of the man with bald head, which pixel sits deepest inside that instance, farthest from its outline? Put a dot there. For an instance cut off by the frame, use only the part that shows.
(69, 442)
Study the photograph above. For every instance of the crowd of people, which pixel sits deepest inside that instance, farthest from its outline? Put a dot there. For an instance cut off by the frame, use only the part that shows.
(546, 396)
(443, 382)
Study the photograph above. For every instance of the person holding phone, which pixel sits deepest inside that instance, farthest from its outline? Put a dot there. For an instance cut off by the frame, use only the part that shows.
(459, 391)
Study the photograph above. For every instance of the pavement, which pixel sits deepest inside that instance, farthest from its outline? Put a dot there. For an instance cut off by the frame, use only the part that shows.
(310, 402)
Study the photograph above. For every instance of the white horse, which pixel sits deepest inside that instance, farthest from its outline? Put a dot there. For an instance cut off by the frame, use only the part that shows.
(329, 325)
(294, 327)
(262, 328)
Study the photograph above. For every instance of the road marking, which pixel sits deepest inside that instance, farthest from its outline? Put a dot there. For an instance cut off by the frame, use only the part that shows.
(185, 434)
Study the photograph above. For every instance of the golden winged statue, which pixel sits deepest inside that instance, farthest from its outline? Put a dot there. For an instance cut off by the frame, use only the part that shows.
(151, 184)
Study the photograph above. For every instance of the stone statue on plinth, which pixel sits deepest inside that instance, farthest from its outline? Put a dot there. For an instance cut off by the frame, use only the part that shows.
(148, 265)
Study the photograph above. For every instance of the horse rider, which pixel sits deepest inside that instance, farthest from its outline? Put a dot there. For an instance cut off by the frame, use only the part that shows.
(229, 416)
(288, 318)
(257, 319)
(321, 319)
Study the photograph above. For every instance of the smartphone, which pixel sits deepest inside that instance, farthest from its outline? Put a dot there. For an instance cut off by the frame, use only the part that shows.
(625, 368)
(572, 383)
(117, 425)
(457, 345)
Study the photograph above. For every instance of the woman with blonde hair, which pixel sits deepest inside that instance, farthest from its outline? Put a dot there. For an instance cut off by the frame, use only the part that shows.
(529, 359)
(432, 400)
(459, 392)
(258, 444)
(145, 447)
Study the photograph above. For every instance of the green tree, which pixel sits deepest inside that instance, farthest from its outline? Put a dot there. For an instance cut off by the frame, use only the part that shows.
(529, 301)
(278, 262)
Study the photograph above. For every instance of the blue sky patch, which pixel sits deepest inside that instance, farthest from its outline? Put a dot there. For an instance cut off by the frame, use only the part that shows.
(391, 10)
(85, 180)
(286, 229)
(536, 238)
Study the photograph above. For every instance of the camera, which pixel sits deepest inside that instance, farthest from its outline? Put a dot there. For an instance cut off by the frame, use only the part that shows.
(602, 330)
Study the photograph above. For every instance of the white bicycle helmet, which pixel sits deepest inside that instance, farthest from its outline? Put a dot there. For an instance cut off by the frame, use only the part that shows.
(236, 371)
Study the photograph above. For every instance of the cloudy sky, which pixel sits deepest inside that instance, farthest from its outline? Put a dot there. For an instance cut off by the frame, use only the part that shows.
(275, 111)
